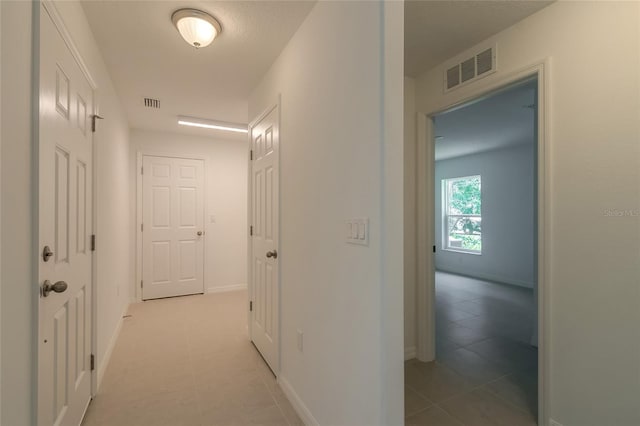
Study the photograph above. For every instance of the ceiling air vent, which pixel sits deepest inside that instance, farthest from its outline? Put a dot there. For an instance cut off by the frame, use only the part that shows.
(453, 77)
(470, 69)
(151, 103)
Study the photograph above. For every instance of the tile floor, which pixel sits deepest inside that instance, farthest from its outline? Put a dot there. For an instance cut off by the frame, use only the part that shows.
(485, 371)
(187, 361)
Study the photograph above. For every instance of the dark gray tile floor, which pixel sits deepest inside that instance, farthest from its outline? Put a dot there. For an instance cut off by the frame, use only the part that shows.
(484, 359)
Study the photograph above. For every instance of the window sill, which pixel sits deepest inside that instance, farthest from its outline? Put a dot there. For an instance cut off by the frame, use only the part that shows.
(476, 253)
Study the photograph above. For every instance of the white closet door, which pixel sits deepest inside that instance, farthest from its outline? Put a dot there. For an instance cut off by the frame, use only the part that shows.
(172, 227)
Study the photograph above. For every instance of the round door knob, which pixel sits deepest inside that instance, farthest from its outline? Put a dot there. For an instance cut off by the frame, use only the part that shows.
(199, 233)
(273, 254)
(58, 287)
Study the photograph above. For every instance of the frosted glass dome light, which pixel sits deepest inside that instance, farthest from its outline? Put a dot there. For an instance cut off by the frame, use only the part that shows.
(196, 27)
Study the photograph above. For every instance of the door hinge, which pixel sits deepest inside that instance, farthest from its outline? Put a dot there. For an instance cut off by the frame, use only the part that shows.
(95, 117)
(250, 306)
(434, 249)
(251, 155)
(141, 170)
(93, 242)
(141, 284)
(141, 227)
(93, 362)
(251, 230)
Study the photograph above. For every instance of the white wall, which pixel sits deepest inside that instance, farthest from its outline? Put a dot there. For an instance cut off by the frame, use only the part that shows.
(594, 166)
(410, 217)
(18, 208)
(346, 299)
(225, 198)
(508, 227)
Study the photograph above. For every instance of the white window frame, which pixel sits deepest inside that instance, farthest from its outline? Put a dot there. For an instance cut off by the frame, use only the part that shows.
(445, 215)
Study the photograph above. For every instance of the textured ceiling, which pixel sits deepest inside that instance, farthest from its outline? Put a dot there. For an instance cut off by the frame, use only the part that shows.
(147, 57)
(499, 121)
(438, 30)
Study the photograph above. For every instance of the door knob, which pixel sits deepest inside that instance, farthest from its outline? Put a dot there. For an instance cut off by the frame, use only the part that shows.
(58, 287)
(273, 254)
(199, 233)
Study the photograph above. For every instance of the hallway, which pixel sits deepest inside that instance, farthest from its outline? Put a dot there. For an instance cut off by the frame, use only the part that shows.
(188, 361)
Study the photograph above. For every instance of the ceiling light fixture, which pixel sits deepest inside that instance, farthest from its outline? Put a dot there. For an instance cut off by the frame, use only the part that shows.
(196, 27)
(210, 124)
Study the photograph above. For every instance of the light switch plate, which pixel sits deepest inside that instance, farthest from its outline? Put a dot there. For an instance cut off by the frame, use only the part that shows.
(300, 341)
(358, 231)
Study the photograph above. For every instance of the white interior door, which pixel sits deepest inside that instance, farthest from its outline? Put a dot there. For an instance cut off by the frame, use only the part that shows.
(172, 227)
(264, 316)
(65, 224)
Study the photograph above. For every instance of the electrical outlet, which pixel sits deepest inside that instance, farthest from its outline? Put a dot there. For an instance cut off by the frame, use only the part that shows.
(300, 341)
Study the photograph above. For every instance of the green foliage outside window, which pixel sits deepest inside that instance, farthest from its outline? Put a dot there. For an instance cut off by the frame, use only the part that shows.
(464, 209)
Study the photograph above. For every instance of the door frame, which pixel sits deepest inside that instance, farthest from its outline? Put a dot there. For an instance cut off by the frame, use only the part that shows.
(425, 205)
(275, 105)
(51, 10)
(140, 154)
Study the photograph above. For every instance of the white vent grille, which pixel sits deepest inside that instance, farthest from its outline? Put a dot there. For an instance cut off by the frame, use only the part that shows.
(152, 103)
(453, 77)
(470, 69)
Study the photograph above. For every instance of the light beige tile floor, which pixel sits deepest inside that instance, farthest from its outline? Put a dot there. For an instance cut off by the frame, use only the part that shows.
(486, 371)
(436, 395)
(188, 361)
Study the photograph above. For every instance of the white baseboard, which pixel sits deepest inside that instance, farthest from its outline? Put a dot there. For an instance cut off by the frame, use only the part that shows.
(226, 288)
(103, 363)
(410, 353)
(297, 404)
(489, 277)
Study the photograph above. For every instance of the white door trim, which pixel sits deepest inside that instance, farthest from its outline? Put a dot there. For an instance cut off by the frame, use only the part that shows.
(425, 288)
(51, 9)
(277, 104)
(138, 257)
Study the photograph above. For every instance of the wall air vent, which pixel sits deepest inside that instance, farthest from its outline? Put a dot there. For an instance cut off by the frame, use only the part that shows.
(469, 67)
(152, 103)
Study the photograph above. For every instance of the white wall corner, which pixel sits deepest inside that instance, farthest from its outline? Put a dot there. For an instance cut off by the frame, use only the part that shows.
(103, 363)
(410, 353)
(297, 403)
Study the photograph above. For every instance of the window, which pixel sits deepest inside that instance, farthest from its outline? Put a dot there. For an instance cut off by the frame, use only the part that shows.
(462, 218)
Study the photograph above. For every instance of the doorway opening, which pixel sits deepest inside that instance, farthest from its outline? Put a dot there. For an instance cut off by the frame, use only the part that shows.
(479, 287)
(485, 231)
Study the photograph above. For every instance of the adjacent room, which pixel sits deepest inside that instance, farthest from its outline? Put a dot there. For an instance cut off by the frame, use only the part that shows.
(485, 209)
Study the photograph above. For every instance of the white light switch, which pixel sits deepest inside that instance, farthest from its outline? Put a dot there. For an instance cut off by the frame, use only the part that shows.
(300, 340)
(359, 228)
(212, 219)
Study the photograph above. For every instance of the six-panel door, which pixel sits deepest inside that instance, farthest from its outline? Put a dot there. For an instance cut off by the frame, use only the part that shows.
(172, 227)
(65, 225)
(265, 222)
